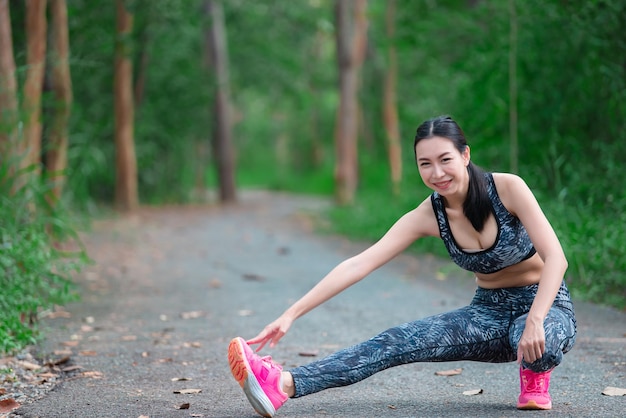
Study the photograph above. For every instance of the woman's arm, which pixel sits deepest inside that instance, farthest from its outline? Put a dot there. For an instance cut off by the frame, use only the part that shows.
(410, 227)
(520, 201)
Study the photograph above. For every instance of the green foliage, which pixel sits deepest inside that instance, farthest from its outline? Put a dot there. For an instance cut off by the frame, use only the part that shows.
(453, 58)
(35, 273)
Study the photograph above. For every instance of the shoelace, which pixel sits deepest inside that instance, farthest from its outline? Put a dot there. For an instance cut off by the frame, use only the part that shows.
(534, 385)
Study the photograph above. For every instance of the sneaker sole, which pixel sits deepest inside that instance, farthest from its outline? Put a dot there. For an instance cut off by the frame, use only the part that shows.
(532, 405)
(242, 372)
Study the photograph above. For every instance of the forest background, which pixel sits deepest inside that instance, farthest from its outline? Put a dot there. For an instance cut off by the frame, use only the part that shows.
(152, 102)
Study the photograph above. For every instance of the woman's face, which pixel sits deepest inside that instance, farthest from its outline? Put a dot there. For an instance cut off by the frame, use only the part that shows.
(442, 167)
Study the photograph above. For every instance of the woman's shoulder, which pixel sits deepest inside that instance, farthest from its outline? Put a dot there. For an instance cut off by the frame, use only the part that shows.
(507, 181)
(511, 189)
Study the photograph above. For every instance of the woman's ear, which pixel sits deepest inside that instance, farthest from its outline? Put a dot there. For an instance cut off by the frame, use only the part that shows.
(466, 155)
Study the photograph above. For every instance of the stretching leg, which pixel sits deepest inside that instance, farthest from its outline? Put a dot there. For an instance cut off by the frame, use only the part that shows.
(470, 333)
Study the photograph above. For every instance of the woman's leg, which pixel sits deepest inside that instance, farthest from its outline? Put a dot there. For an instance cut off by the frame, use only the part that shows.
(474, 332)
(560, 331)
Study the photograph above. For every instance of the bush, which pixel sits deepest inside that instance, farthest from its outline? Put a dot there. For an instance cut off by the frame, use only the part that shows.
(35, 271)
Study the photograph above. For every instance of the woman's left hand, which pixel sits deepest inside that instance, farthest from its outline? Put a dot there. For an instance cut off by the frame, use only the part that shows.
(532, 344)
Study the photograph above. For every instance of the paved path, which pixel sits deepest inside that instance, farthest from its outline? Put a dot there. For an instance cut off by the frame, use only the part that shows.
(171, 287)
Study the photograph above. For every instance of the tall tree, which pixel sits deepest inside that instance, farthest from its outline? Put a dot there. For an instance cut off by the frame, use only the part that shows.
(513, 116)
(35, 71)
(56, 154)
(126, 194)
(8, 87)
(390, 108)
(222, 135)
(349, 51)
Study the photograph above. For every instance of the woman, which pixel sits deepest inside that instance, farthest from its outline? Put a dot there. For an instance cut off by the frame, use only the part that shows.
(491, 225)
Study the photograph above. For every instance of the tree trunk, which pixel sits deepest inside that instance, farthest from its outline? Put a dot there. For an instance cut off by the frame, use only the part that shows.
(126, 195)
(349, 55)
(8, 88)
(390, 109)
(56, 155)
(222, 139)
(35, 64)
(513, 87)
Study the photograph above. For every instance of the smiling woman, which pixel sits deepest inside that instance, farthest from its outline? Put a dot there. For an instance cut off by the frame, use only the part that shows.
(491, 225)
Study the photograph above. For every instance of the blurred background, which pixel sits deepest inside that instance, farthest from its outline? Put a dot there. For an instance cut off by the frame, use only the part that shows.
(111, 106)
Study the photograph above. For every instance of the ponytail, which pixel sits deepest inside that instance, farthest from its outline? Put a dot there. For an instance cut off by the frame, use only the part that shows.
(477, 205)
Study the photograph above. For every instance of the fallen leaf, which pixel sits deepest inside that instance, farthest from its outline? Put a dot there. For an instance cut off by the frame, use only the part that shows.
(93, 375)
(59, 314)
(2, 391)
(46, 375)
(392, 407)
(70, 369)
(183, 406)
(196, 415)
(181, 379)
(194, 344)
(307, 353)
(452, 372)
(612, 391)
(129, 338)
(253, 277)
(28, 365)
(8, 405)
(165, 360)
(473, 392)
(58, 361)
(87, 353)
(188, 391)
(70, 343)
(192, 314)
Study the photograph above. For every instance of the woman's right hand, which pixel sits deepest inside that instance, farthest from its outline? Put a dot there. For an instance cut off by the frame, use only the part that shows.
(272, 333)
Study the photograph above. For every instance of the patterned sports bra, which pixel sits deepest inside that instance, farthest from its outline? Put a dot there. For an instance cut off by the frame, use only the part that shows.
(512, 245)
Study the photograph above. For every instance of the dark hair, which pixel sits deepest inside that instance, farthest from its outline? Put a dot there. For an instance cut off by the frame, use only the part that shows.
(477, 205)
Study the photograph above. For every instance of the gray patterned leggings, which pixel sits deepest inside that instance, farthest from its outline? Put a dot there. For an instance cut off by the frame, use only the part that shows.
(487, 330)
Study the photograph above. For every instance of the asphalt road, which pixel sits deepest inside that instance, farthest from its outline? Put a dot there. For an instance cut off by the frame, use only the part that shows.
(172, 286)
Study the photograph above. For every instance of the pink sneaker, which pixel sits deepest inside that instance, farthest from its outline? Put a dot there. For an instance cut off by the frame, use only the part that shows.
(259, 377)
(534, 390)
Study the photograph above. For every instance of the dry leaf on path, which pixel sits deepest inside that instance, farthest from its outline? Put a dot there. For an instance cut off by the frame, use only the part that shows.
(188, 391)
(308, 353)
(29, 366)
(192, 314)
(94, 375)
(612, 391)
(473, 392)
(70, 369)
(58, 361)
(181, 379)
(8, 405)
(183, 406)
(253, 277)
(452, 372)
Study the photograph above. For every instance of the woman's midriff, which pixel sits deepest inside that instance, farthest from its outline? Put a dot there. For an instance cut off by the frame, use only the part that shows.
(522, 274)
